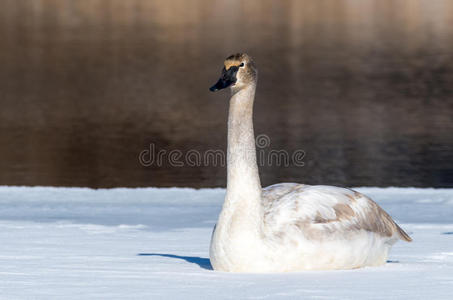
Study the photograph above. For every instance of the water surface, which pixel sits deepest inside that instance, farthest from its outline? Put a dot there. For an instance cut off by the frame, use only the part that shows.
(363, 87)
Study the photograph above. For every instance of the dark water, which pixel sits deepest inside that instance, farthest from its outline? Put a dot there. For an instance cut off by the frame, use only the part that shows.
(365, 88)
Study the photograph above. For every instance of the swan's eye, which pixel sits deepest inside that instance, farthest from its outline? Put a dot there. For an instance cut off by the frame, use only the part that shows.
(241, 65)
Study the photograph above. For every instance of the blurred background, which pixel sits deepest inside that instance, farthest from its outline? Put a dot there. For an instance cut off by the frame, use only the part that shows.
(365, 88)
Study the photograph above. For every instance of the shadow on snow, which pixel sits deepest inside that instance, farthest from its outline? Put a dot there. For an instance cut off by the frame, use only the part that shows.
(200, 261)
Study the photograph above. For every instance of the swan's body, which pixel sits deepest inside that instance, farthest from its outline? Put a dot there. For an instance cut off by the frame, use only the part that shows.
(288, 226)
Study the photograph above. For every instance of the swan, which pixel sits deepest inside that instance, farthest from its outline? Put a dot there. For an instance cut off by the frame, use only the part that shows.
(287, 226)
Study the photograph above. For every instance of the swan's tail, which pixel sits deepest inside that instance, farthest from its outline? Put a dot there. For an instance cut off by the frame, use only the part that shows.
(403, 235)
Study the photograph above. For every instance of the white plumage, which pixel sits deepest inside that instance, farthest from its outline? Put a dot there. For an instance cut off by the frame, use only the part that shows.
(289, 226)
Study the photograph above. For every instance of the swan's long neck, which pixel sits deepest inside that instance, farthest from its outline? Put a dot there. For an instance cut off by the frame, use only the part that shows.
(243, 197)
(237, 238)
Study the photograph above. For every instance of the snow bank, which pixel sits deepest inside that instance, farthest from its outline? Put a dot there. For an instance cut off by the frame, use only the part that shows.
(153, 243)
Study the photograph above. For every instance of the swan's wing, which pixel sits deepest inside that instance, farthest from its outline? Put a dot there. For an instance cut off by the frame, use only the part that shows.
(323, 211)
(275, 192)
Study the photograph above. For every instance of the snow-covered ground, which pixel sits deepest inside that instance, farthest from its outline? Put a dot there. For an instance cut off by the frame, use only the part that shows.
(60, 243)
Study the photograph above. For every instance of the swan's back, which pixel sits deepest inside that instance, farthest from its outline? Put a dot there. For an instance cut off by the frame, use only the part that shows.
(326, 212)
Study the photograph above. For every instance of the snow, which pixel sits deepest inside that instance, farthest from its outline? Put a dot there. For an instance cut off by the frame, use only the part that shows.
(149, 243)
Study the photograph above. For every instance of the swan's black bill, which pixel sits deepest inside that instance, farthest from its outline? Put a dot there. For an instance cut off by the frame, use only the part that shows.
(221, 84)
(228, 78)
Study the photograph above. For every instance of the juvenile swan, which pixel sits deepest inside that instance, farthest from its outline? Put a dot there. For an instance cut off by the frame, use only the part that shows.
(288, 226)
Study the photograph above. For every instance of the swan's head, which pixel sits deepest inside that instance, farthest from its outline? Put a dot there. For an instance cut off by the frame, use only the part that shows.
(239, 71)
